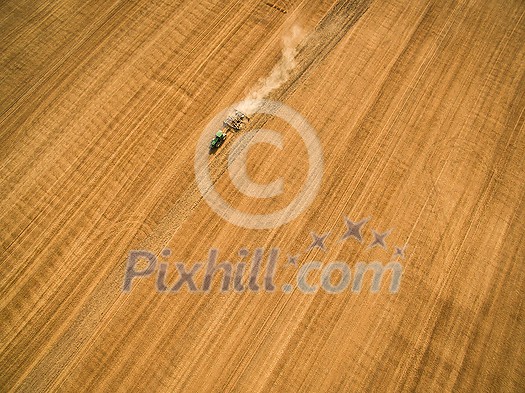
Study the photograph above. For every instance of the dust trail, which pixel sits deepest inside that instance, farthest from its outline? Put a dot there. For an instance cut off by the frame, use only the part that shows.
(292, 43)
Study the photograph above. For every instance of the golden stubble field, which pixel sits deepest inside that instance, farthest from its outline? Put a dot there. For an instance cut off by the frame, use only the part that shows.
(419, 110)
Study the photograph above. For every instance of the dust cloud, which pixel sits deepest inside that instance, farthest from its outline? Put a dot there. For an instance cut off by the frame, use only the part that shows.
(292, 43)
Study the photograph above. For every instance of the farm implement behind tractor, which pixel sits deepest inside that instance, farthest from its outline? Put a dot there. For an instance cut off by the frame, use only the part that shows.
(234, 122)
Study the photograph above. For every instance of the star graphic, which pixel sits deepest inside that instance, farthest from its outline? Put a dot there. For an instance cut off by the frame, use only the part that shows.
(353, 229)
(399, 252)
(292, 259)
(379, 239)
(318, 240)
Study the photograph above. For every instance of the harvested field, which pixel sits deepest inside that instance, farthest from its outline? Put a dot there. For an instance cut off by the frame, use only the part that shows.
(419, 111)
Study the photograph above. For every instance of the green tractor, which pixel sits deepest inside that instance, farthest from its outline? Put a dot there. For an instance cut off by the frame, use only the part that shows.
(234, 122)
(217, 140)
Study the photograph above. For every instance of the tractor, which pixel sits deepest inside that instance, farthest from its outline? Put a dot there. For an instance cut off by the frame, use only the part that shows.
(234, 122)
(217, 140)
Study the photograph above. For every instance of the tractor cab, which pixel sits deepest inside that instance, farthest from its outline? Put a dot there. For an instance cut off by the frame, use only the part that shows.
(218, 139)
